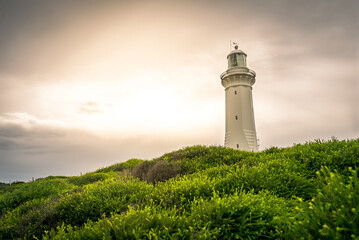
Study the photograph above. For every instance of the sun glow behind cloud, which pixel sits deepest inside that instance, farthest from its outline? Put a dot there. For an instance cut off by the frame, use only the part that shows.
(135, 82)
(151, 102)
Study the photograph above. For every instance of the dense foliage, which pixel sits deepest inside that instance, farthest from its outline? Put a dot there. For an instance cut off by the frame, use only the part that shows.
(308, 191)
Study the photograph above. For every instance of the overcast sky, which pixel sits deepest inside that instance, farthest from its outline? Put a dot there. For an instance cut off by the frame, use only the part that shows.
(85, 84)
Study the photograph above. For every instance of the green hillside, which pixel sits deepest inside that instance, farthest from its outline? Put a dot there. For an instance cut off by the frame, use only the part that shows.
(308, 191)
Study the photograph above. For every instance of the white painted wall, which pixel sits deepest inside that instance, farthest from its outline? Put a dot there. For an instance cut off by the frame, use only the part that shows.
(240, 124)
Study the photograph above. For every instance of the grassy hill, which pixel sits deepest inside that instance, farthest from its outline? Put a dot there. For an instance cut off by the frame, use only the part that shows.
(307, 191)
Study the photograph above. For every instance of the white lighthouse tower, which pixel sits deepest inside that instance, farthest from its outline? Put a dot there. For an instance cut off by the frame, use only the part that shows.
(238, 81)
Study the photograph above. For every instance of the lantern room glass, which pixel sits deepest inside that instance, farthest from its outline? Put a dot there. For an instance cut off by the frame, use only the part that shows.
(237, 60)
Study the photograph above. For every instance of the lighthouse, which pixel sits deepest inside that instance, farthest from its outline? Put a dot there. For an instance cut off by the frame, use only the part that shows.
(238, 81)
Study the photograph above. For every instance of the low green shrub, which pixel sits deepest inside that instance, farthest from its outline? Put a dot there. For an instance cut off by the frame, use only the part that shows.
(197, 158)
(33, 190)
(334, 212)
(239, 216)
(76, 208)
(30, 218)
(334, 154)
(200, 193)
(186, 161)
(280, 177)
(118, 167)
(112, 195)
(140, 170)
(162, 171)
(91, 178)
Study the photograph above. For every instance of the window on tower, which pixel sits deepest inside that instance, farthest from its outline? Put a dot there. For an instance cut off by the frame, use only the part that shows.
(237, 145)
(242, 60)
(233, 60)
(236, 117)
(235, 92)
(237, 60)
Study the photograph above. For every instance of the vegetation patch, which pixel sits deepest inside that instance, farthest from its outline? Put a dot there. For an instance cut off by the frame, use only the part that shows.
(308, 191)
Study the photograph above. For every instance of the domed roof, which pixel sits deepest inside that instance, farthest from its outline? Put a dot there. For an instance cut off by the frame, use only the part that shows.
(237, 51)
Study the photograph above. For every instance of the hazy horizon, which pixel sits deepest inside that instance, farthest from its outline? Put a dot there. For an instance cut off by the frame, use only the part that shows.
(87, 84)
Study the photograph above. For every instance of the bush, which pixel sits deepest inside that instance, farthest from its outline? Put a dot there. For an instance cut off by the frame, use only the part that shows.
(197, 158)
(30, 218)
(186, 161)
(140, 170)
(109, 196)
(282, 178)
(90, 178)
(75, 208)
(218, 193)
(334, 154)
(334, 212)
(240, 216)
(28, 191)
(118, 167)
(162, 171)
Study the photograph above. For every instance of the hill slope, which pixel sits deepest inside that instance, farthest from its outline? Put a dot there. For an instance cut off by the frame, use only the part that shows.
(307, 191)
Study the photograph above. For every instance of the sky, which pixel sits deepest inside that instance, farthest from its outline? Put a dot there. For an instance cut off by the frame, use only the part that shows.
(86, 84)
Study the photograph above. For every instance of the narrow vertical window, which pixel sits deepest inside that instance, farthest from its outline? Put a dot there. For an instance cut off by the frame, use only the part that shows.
(236, 117)
(235, 92)
(233, 58)
(237, 145)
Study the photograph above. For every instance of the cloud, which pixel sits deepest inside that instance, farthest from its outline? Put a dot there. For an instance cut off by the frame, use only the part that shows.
(38, 33)
(33, 147)
(90, 108)
(24, 133)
